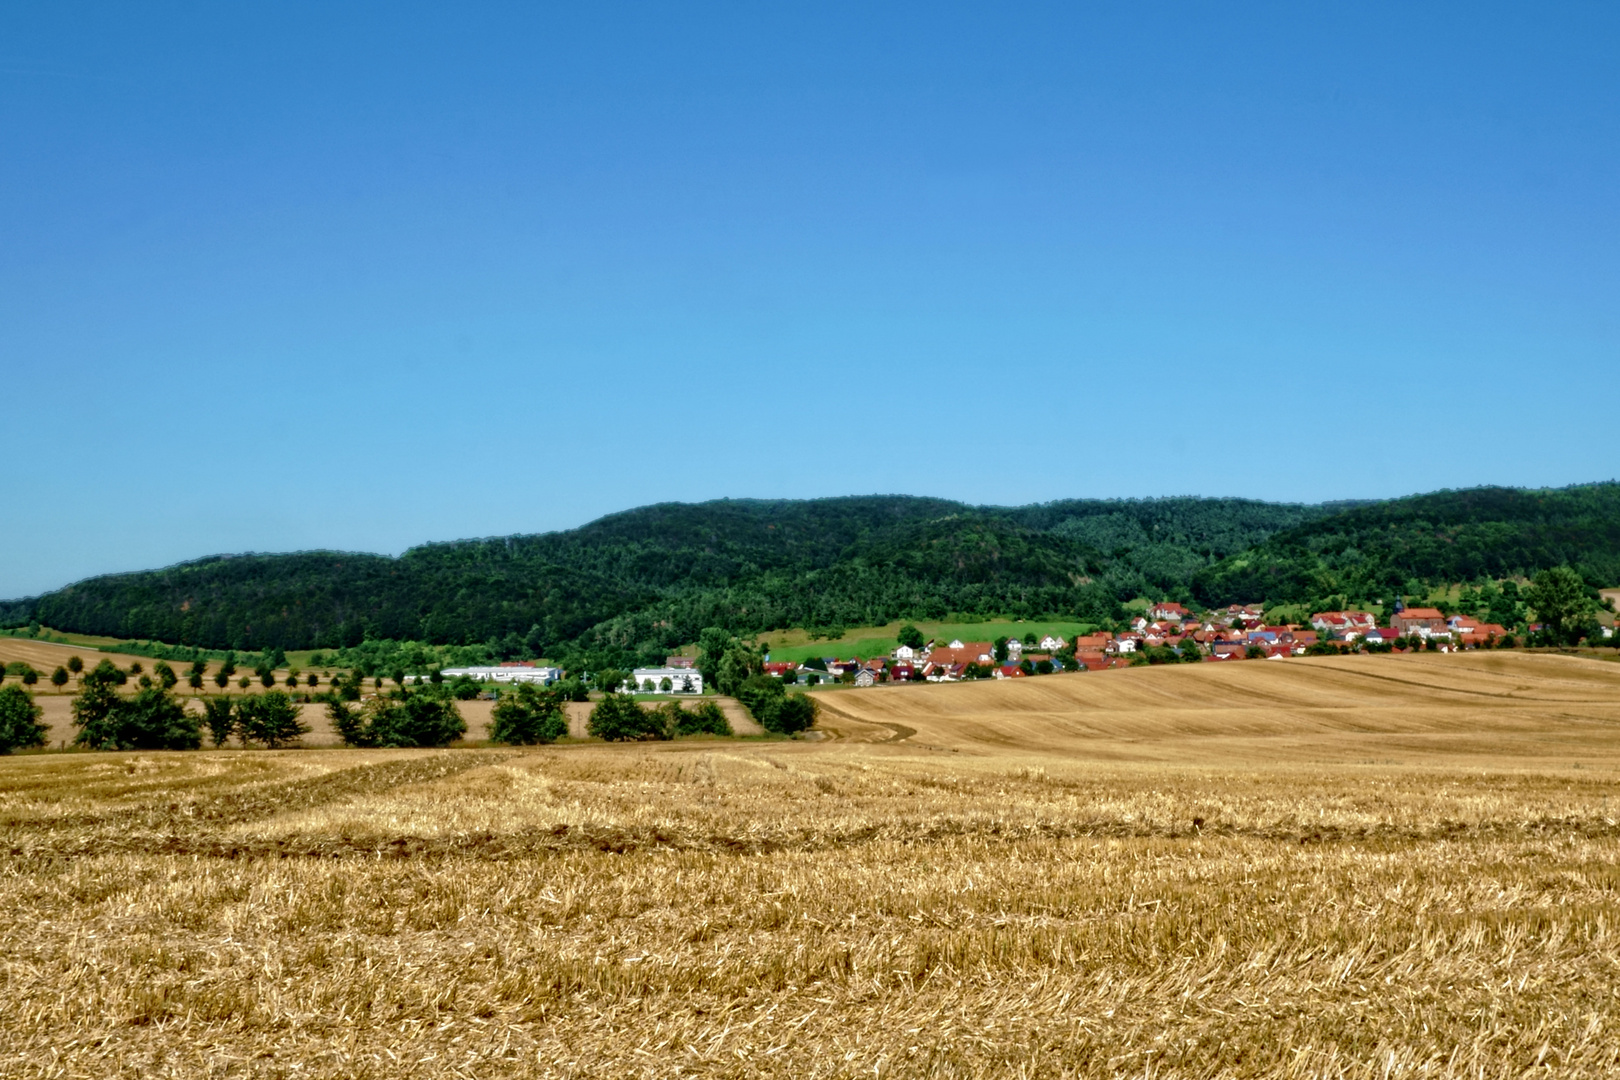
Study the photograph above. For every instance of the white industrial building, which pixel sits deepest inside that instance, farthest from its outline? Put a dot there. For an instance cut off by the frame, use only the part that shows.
(508, 673)
(666, 680)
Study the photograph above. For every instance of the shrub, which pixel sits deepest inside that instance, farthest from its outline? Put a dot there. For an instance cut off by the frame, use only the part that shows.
(270, 718)
(760, 695)
(617, 718)
(669, 716)
(19, 720)
(796, 713)
(706, 719)
(464, 688)
(528, 715)
(768, 701)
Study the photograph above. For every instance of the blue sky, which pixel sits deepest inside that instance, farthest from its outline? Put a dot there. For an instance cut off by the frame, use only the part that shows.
(362, 276)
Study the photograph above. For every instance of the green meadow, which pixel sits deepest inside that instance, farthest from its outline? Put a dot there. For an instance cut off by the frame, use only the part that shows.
(868, 641)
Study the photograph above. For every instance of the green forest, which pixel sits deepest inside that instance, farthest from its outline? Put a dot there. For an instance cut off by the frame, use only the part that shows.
(631, 586)
(1371, 554)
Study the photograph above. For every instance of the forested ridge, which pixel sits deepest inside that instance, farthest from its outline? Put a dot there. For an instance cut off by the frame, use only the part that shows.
(1373, 553)
(634, 584)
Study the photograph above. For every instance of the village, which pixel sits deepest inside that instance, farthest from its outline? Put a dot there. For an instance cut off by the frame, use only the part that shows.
(1167, 632)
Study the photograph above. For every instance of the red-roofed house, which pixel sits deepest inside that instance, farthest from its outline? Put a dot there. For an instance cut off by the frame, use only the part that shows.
(1168, 610)
(1423, 621)
(1091, 643)
(1483, 634)
(970, 652)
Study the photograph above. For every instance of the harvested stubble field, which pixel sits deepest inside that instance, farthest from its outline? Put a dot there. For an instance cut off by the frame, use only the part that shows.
(1121, 885)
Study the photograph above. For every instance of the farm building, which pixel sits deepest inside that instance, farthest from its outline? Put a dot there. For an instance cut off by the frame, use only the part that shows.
(508, 673)
(666, 680)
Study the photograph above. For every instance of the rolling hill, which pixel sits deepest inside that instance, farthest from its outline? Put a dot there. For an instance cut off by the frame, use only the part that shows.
(632, 585)
(647, 579)
(1370, 553)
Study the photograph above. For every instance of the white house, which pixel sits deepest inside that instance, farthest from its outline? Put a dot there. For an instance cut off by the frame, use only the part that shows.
(507, 673)
(666, 680)
(1052, 643)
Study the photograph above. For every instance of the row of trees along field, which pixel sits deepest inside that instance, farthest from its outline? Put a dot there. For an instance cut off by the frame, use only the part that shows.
(423, 715)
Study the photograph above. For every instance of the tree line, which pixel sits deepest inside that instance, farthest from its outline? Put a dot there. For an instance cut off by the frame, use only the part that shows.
(633, 583)
(423, 714)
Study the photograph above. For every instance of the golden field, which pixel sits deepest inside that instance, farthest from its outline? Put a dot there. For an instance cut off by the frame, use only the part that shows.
(1359, 867)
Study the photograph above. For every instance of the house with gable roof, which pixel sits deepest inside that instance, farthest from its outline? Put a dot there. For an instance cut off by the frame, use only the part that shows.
(1426, 622)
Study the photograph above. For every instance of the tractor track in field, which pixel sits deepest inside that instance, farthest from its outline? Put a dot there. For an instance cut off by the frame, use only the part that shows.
(268, 799)
(36, 850)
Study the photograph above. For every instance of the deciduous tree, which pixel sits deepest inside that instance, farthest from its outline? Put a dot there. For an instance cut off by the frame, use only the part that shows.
(270, 719)
(617, 718)
(219, 717)
(20, 726)
(1559, 597)
(528, 715)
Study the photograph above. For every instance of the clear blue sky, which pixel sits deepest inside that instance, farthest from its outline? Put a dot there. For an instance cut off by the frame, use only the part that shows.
(361, 276)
